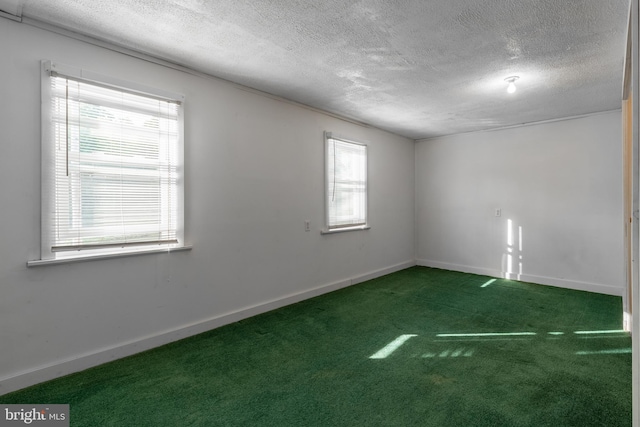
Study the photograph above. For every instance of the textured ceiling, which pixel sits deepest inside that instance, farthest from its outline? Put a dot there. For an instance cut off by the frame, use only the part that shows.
(417, 68)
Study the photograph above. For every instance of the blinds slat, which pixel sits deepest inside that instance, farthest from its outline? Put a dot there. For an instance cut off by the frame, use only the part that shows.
(346, 184)
(115, 167)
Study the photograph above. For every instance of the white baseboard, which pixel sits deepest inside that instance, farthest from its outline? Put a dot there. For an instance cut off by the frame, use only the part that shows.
(382, 272)
(540, 280)
(81, 362)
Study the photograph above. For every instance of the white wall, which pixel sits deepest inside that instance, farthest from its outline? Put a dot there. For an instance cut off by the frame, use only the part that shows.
(254, 175)
(559, 182)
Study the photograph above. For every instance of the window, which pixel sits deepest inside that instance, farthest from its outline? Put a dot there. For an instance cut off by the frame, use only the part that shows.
(345, 184)
(111, 167)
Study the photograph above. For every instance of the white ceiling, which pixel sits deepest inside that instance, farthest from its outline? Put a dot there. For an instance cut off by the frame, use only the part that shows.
(415, 67)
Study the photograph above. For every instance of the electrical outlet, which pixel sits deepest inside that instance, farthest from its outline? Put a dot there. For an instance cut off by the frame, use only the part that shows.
(307, 225)
(498, 212)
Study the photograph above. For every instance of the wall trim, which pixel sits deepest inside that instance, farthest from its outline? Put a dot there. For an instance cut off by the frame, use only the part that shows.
(539, 280)
(524, 124)
(84, 361)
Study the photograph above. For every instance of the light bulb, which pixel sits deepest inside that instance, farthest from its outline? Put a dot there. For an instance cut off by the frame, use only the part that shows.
(511, 87)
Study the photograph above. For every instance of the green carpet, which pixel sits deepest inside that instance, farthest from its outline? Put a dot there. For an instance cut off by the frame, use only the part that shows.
(468, 352)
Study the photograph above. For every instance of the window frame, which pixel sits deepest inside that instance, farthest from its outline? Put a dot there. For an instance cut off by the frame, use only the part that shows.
(328, 227)
(48, 217)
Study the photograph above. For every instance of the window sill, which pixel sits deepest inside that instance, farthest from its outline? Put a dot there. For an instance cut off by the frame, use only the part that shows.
(43, 262)
(345, 229)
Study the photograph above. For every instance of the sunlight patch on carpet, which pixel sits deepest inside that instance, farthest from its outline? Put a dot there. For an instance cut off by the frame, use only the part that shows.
(384, 352)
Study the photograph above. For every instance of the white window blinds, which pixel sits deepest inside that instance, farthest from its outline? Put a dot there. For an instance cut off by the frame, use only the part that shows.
(346, 183)
(115, 175)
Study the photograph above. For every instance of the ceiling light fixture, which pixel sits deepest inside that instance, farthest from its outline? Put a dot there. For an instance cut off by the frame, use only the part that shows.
(512, 85)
